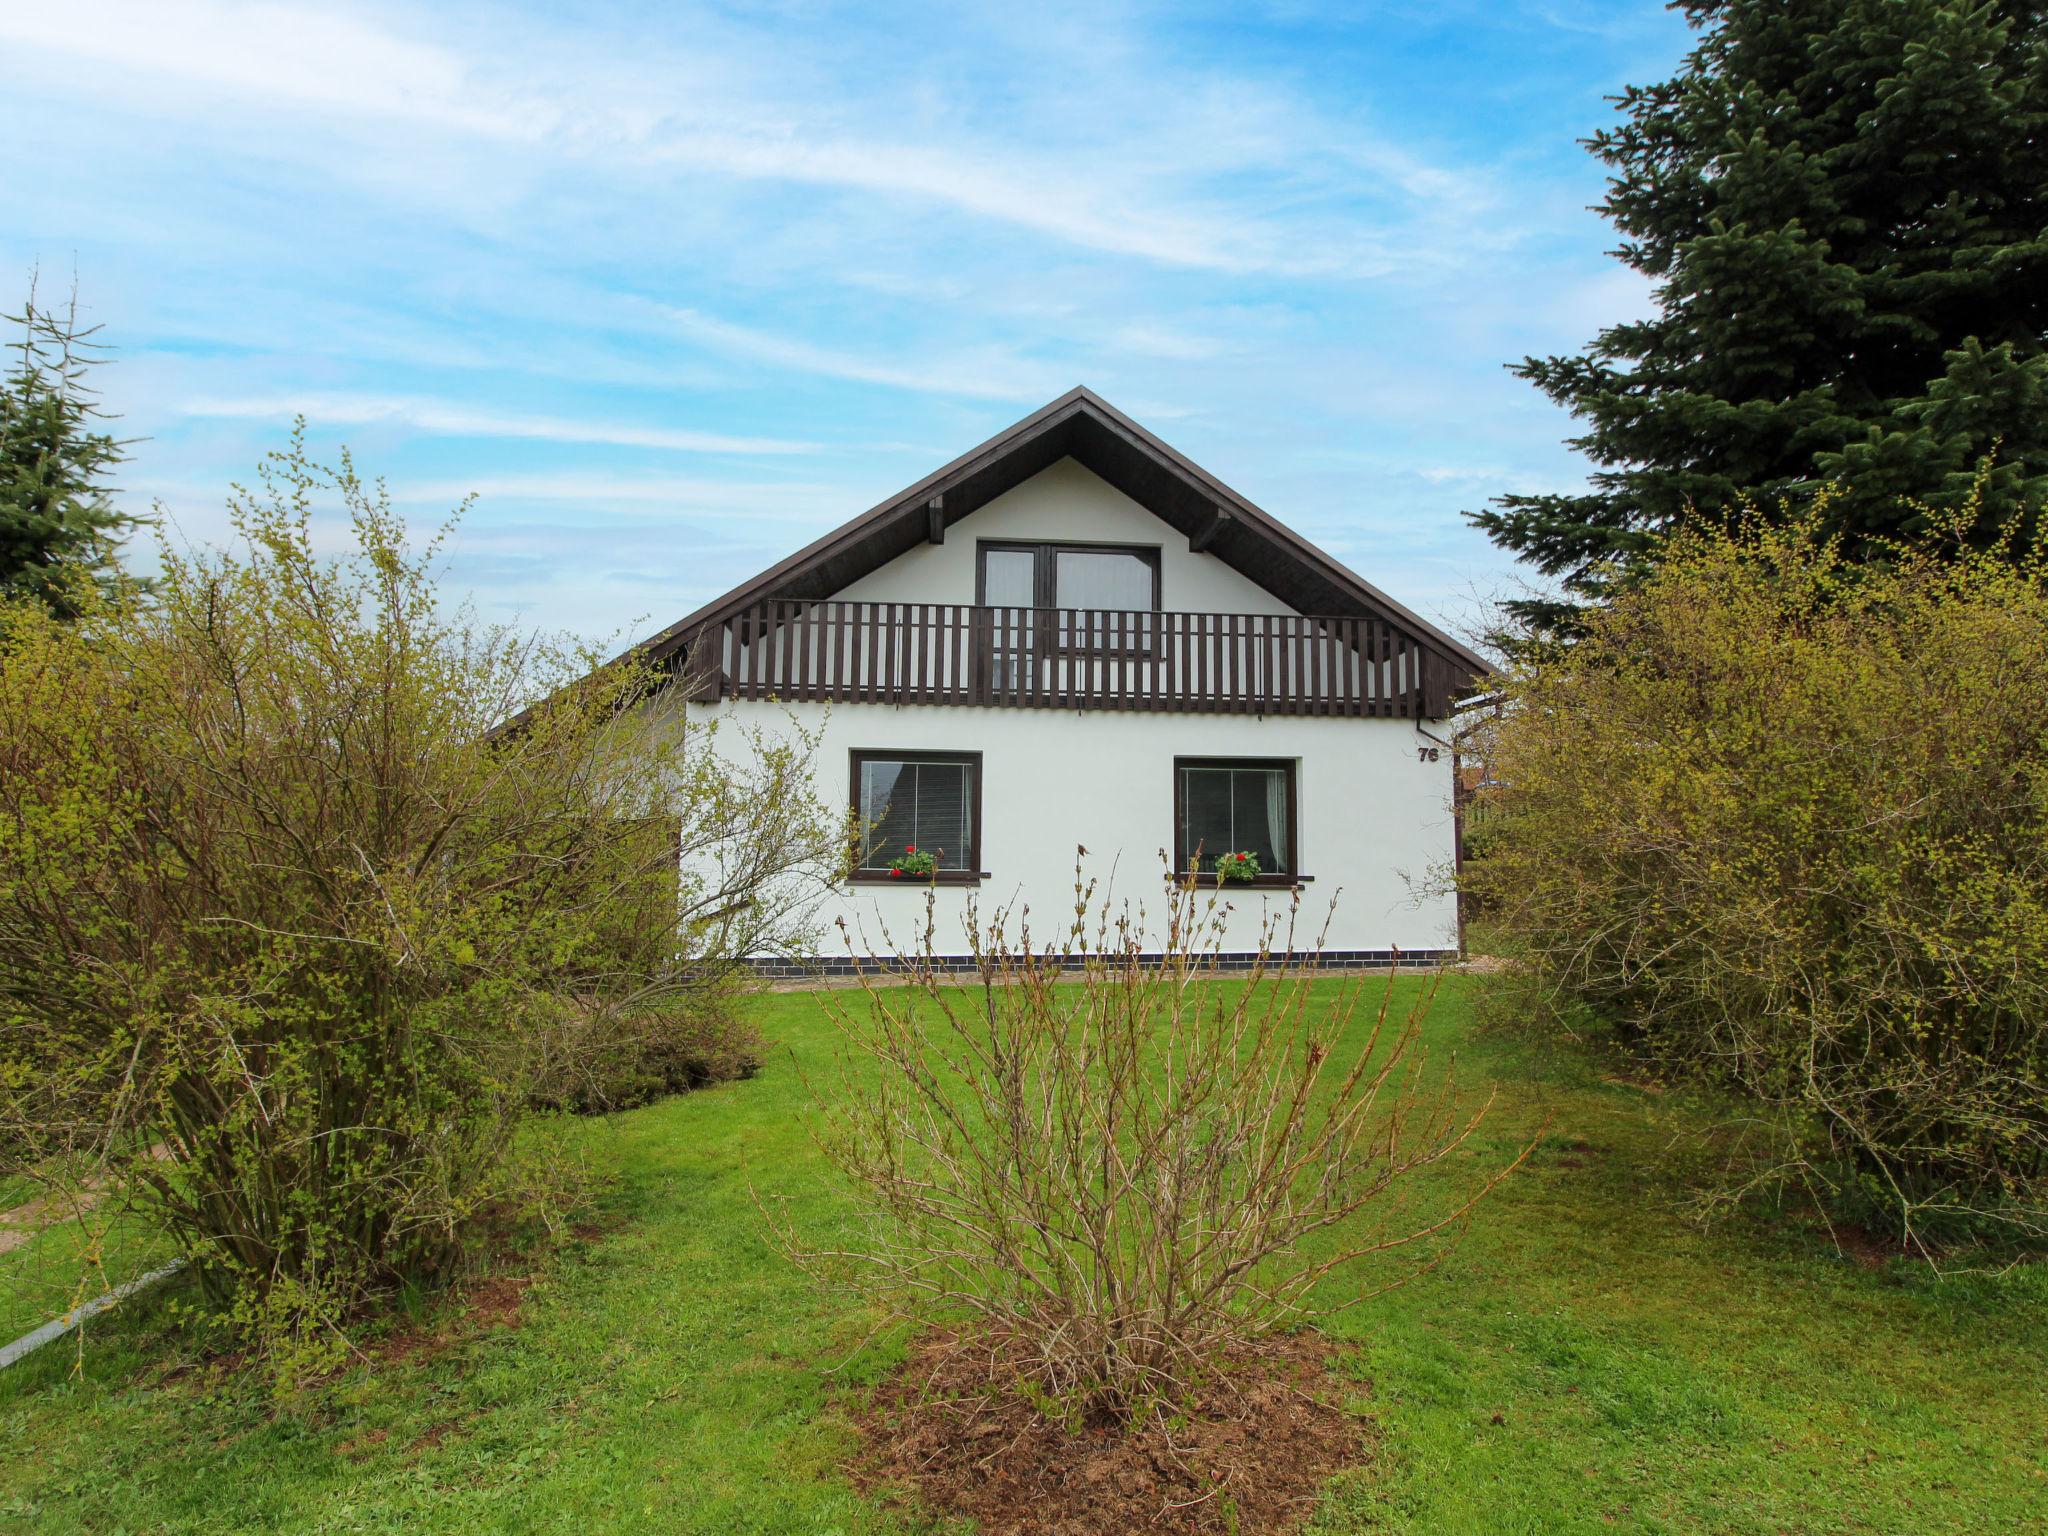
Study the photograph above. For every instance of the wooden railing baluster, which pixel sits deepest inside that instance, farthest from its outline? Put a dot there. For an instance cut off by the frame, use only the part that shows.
(1068, 658)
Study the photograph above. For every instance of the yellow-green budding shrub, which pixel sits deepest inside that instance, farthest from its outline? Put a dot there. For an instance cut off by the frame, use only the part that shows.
(1783, 820)
(289, 925)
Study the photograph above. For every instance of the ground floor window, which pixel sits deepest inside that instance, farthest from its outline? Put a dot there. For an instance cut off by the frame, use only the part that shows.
(1234, 805)
(929, 801)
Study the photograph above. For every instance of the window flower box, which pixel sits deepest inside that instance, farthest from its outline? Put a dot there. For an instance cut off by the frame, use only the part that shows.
(1237, 868)
(915, 863)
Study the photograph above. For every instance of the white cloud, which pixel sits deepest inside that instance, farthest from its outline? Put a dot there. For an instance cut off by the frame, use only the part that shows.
(1162, 341)
(317, 58)
(658, 496)
(442, 419)
(1053, 200)
(1145, 193)
(1311, 262)
(1615, 295)
(1460, 474)
(1498, 479)
(990, 376)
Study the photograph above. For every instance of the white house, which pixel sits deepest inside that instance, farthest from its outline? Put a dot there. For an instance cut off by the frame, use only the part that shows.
(1073, 636)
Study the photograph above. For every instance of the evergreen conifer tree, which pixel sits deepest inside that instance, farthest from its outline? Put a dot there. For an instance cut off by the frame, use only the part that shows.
(1844, 207)
(57, 517)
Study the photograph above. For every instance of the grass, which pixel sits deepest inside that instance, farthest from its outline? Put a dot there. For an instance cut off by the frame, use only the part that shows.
(68, 1261)
(1585, 1362)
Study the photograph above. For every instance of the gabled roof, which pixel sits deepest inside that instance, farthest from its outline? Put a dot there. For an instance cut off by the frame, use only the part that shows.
(1081, 425)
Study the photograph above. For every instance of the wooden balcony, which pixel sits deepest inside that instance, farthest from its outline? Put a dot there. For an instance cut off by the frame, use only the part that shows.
(1070, 659)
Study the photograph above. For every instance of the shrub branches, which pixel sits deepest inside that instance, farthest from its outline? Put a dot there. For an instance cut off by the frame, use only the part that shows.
(283, 905)
(1784, 818)
(1125, 1166)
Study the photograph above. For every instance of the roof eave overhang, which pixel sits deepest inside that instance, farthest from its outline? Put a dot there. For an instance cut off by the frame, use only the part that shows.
(1081, 425)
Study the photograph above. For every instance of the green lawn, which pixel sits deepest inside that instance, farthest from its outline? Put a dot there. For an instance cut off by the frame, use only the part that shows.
(1586, 1361)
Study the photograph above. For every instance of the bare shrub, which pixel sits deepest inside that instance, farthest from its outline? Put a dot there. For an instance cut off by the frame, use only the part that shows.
(282, 905)
(1781, 820)
(1125, 1167)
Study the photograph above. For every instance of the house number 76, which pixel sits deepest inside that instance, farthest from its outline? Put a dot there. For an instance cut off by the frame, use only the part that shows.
(1427, 754)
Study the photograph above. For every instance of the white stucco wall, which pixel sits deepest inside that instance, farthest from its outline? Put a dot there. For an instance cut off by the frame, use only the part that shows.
(1375, 822)
(1064, 501)
(1375, 825)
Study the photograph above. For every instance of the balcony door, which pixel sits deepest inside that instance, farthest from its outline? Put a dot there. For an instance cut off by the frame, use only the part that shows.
(1008, 579)
(1100, 579)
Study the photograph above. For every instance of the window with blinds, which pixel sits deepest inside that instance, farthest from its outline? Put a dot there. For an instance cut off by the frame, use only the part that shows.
(925, 800)
(1234, 805)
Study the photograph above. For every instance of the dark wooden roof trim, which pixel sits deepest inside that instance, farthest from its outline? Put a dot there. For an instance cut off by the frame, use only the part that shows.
(850, 533)
(1082, 425)
(1249, 517)
(1207, 534)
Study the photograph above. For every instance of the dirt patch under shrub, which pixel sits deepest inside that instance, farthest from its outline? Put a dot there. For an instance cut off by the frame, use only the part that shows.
(483, 1306)
(954, 1428)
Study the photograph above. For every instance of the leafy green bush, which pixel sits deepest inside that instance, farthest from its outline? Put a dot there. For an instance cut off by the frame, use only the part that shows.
(1784, 820)
(285, 902)
(595, 1060)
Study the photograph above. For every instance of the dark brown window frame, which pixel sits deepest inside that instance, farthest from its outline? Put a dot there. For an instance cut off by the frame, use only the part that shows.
(1045, 639)
(973, 874)
(1043, 590)
(1285, 880)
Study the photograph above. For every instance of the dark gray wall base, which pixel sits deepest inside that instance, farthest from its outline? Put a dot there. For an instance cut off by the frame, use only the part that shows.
(841, 966)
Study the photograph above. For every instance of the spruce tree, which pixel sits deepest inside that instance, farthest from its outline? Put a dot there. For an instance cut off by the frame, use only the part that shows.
(1844, 207)
(57, 517)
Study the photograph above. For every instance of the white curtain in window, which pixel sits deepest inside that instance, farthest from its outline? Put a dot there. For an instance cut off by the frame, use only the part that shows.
(1276, 817)
(1106, 580)
(1228, 809)
(1010, 581)
(1008, 578)
(1102, 578)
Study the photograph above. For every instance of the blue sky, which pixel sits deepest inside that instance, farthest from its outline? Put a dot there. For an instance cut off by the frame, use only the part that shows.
(675, 288)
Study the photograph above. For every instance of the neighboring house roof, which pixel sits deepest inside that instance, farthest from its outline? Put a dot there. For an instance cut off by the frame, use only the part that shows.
(1083, 426)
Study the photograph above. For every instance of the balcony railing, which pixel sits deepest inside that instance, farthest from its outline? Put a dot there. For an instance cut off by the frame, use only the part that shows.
(1071, 658)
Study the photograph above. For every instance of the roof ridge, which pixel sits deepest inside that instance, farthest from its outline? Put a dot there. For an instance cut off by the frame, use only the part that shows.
(989, 457)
